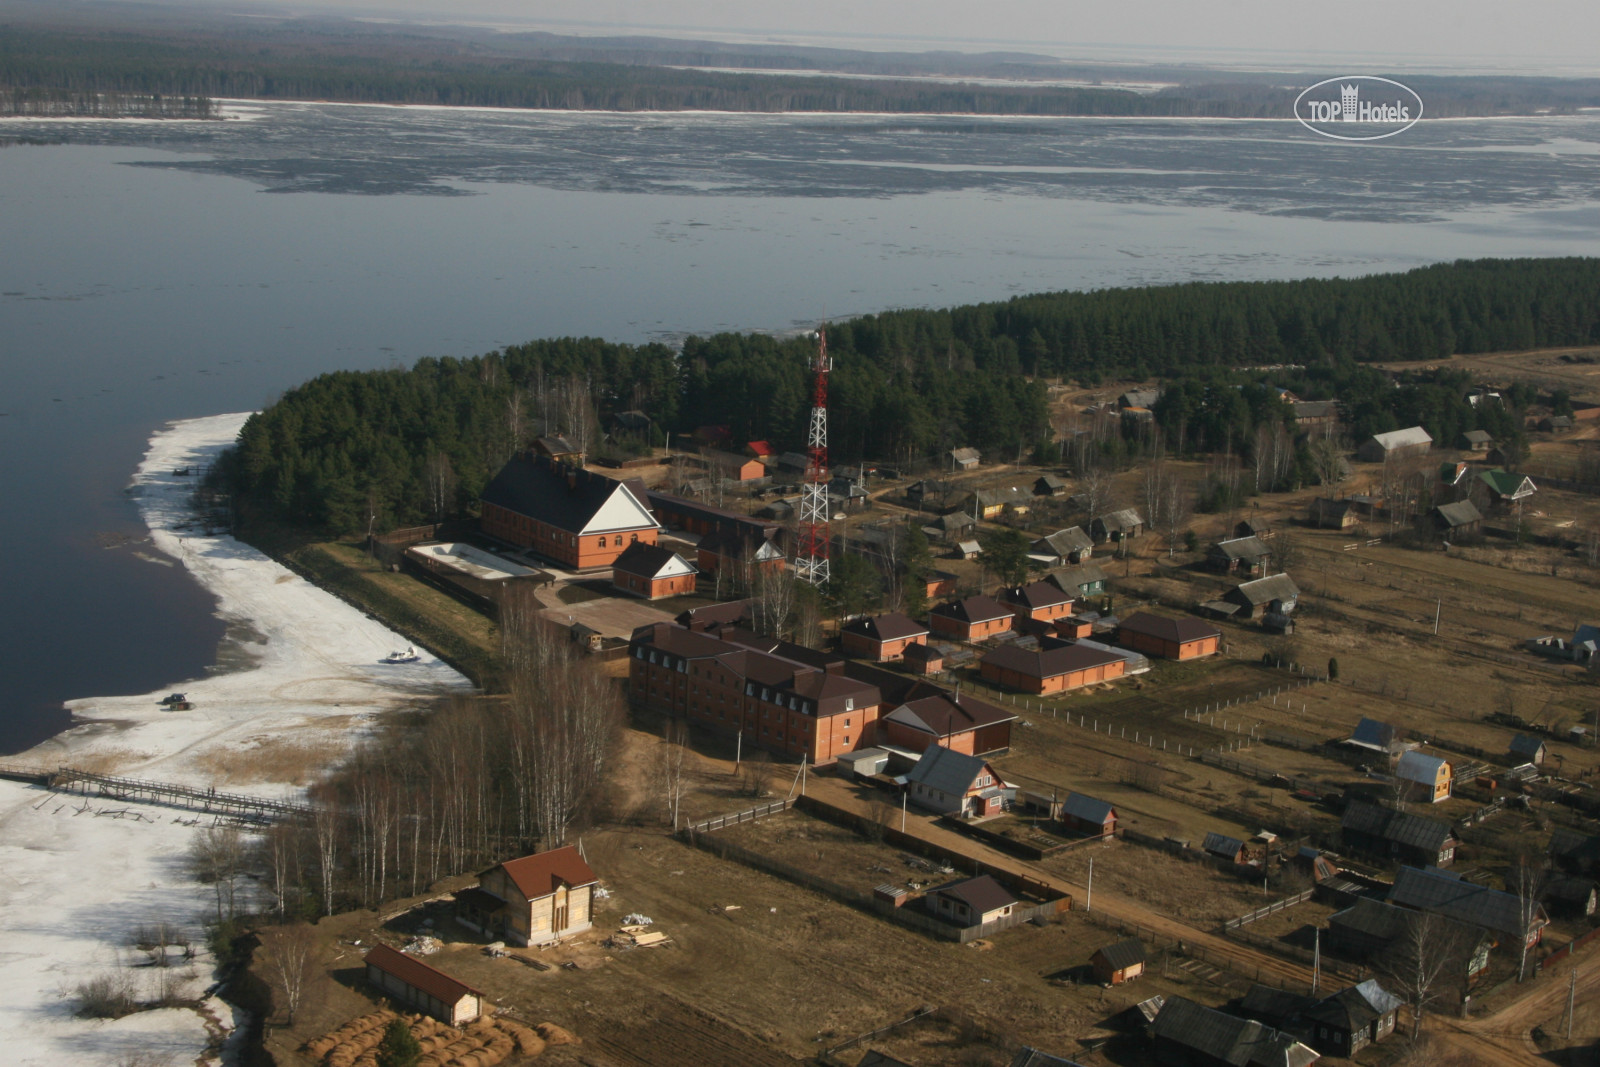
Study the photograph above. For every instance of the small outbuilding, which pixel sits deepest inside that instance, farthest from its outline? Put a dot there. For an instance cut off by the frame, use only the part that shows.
(1069, 546)
(1274, 595)
(1169, 638)
(1226, 848)
(1118, 963)
(1475, 441)
(1527, 749)
(1460, 519)
(409, 980)
(1426, 777)
(1248, 556)
(652, 572)
(971, 901)
(1049, 485)
(1329, 514)
(1088, 815)
(1122, 525)
(1396, 444)
(964, 459)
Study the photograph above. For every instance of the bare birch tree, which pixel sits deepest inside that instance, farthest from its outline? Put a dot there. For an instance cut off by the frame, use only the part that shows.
(1421, 962)
(671, 755)
(217, 857)
(439, 479)
(291, 964)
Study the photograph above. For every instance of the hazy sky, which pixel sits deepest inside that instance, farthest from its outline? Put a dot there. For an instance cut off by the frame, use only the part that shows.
(1553, 36)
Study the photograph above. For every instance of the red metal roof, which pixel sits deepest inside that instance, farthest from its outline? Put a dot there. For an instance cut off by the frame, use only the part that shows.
(762, 448)
(539, 875)
(418, 975)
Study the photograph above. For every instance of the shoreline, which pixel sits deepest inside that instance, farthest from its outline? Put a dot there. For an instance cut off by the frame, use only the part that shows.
(79, 874)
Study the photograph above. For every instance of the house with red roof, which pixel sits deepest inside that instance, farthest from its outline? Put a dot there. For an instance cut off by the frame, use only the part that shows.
(428, 989)
(533, 900)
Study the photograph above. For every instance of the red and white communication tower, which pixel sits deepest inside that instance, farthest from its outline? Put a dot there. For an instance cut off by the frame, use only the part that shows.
(811, 561)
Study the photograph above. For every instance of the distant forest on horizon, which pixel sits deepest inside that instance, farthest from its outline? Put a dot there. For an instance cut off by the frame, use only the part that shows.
(174, 52)
(420, 444)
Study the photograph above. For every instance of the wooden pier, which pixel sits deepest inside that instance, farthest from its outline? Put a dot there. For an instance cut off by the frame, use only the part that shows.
(168, 794)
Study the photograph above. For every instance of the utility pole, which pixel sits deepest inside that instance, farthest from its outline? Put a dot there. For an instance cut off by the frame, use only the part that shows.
(1438, 606)
(738, 750)
(1088, 898)
(1572, 996)
(902, 811)
(1316, 963)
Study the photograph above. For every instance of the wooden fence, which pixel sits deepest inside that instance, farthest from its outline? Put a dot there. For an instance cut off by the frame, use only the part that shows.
(1270, 909)
(1154, 940)
(1569, 948)
(706, 826)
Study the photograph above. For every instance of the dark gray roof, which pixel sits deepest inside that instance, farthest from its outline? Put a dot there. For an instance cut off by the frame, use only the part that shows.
(1247, 548)
(1461, 513)
(1445, 893)
(1523, 745)
(874, 1058)
(1032, 1057)
(1373, 918)
(1065, 542)
(1038, 595)
(557, 445)
(1073, 578)
(1240, 1042)
(1087, 808)
(1353, 1008)
(946, 770)
(1314, 409)
(1376, 734)
(1123, 954)
(1118, 521)
(647, 561)
(1401, 827)
(1478, 437)
(1050, 662)
(974, 609)
(1273, 1006)
(1221, 844)
(981, 893)
(1574, 848)
(1140, 398)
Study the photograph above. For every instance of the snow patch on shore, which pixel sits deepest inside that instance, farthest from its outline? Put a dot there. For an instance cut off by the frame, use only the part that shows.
(77, 877)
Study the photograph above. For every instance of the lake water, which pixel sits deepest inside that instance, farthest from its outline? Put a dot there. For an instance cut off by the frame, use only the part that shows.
(160, 271)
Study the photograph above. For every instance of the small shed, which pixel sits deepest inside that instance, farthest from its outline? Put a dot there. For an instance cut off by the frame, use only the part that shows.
(964, 459)
(971, 901)
(1088, 815)
(1474, 441)
(1556, 423)
(1329, 514)
(1426, 777)
(411, 981)
(923, 658)
(1527, 749)
(1460, 519)
(968, 549)
(1224, 847)
(1118, 963)
(1049, 485)
(1239, 555)
(1125, 524)
(863, 762)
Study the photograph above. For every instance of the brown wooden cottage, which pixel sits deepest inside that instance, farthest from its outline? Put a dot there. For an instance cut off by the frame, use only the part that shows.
(533, 900)
(1351, 1019)
(412, 982)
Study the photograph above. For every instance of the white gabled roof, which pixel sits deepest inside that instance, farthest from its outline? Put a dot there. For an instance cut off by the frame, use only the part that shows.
(621, 511)
(1419, 767)
(1411, 435)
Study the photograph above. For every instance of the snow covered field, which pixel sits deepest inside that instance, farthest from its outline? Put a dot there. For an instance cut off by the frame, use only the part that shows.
(75, 884)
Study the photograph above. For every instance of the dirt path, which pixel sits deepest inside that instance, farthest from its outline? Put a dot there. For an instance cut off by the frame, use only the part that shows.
(1506, 1032)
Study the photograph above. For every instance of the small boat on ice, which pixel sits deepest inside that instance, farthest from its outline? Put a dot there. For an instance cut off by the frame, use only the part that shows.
(408, 656)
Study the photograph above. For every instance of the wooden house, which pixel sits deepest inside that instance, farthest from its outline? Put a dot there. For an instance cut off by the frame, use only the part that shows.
(1224, 847)
(653, 572)
(412, 982)
(1447, 894)
(971, 901)
(1040, 601)
(1396, 444)
(1314, 414)
(1457, 520)
(742, 554)
(1426, 778)
(1504, 488)
(1556, 423)
(1474, 441)
(1069, 546)
(1525, 748)
(1258, 528)
(557, 447)
(1139, 398)
(1368, 928)
(733, 467)
(931, 494)
(1169, 638)
(1049, 485)
(1189, 1035)
(1351, 1019)
(1088, 815)
(1328, 514)
(954, 783)
(974, 619)
(1570, 896)
(1277, 595)
(580, 519)
(1118, 963)
(1050, 670)
(964, 459)
(881, 638)
(1248, 556)
(929, 716)
(1122, 525)
(1083, 581)
(1397, 835)
(533, 900)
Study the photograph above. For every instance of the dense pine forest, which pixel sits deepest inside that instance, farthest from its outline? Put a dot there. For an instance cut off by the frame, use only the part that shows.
(351, 450)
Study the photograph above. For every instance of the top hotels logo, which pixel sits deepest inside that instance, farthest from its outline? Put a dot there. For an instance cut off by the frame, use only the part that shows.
(1358, 107)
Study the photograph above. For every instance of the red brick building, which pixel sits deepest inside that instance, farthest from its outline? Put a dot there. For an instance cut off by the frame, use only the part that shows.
(930, 716)
(738, 554)
(1158, 635)
(738, 682)
(1050, 670)
(580, 519)
(973, 619)
(882, 638)
(653, 572)
(1042, 601)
